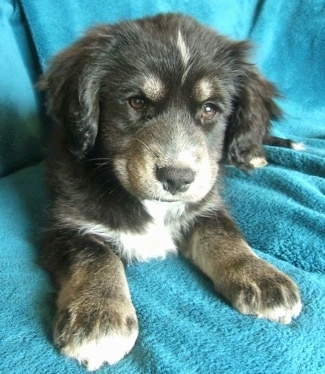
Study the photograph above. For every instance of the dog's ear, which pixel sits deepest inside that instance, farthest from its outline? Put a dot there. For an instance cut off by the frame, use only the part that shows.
(73, 83)
(253, 109)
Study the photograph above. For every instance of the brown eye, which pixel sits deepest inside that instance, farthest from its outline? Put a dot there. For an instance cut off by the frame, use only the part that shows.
(208, 110)
(137, 102)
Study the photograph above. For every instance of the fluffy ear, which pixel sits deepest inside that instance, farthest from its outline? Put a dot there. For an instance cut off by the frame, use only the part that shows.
(249, 123)
(73, 83)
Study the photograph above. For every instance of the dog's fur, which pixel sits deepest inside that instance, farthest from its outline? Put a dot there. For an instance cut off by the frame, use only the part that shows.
(145, 112)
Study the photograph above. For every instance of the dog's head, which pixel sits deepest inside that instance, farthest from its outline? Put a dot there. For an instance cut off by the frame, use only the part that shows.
(161, 100)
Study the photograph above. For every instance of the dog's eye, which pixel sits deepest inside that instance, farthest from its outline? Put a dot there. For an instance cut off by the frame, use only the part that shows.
(137, 102)
(208, 110)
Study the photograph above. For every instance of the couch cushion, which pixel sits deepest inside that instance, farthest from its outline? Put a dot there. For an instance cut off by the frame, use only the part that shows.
(20, 128)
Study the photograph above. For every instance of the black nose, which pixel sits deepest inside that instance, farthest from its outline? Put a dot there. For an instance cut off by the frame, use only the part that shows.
(175, 179)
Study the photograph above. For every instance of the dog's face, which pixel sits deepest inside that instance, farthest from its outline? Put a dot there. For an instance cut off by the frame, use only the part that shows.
(159, 100)
(163, 116)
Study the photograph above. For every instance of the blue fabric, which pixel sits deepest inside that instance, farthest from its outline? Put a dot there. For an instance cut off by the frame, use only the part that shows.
(20, 129)
(184, 326)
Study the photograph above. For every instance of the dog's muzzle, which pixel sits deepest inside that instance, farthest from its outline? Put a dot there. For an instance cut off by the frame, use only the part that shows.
(175, 180)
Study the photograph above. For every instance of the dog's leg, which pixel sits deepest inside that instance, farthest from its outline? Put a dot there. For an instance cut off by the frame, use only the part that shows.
(96, 322)
(250, 284)
(283, 143)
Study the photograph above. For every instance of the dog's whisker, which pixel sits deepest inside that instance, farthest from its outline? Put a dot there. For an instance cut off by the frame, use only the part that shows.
(102, 164)
(97, 159)
(148, 148)
(102, 191)
(109, 192)
(102, 167)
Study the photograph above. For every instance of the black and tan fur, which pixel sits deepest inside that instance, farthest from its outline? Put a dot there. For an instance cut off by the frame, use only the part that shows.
(145, 111)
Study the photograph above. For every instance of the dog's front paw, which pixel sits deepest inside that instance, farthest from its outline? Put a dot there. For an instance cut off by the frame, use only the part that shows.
(96, 335)
(246, 159)
(266, 292)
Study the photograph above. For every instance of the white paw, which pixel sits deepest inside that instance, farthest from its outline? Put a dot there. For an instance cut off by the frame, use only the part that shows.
(258, 162)
(265, 292)
(106, 349)
(282, 314)
(298, 146)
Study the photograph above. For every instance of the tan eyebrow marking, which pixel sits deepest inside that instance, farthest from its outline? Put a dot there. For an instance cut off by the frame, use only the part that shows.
(203, 90)
(153, 88)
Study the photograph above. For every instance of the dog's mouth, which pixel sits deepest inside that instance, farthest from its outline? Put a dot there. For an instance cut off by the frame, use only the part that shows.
(145, 179)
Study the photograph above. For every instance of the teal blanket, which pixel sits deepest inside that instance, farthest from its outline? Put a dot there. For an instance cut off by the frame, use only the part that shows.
(184, 326)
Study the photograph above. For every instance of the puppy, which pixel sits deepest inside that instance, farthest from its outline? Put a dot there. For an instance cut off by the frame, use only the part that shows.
(145, 111)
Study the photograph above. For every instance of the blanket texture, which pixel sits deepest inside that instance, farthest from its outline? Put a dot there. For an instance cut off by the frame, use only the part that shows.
(184, 326)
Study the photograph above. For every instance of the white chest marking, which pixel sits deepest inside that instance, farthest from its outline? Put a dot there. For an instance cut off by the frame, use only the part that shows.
(155, 241)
